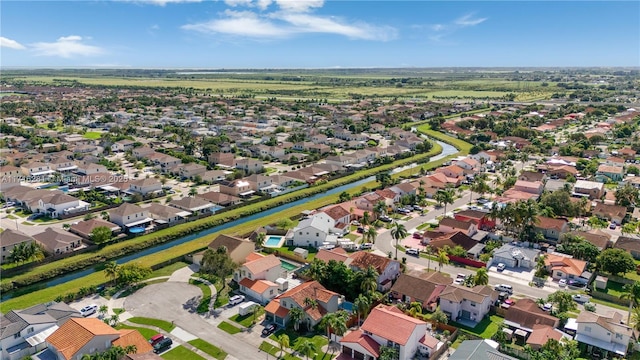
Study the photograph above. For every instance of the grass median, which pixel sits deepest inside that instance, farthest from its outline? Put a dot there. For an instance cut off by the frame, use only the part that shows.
(208, 348)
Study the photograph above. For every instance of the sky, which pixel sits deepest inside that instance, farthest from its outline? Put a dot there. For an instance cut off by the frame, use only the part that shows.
(318, 33)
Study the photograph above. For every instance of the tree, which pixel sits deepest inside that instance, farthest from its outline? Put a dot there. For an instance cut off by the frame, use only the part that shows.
(366, 219)
(362, 304)
(562, 300)
(627, 195)
(500, 336)
(317, 270)
(398, 232)
(104, 309)
(296, 315)
(482, 277)
(114, 320)
(440, 316)
(631, 293)
(384, 178)
(310, 303)
(111, 271)
(379, 208)
(370, 234)
(444, 197)
(260, 239)
(218, 263)
(104, 215)
(101, 234)
(307, 348)
(283, 341)
(479, 186)
(344, 196)
(615, 261)
(369, 282)
(388, 353)
(193, 191)
(130, 349)
(336, 321)
(442, 258)
(635, 318)
(131, 273)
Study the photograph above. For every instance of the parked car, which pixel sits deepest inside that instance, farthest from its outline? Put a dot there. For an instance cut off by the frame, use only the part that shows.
(562, 282)
(360, 230)
(580, 298)
(501, 267)
(269, 329)
(612, 226)
(236, 299)
(458, 281)
(547, 307)
(156, 339)
(482, 201)
(403, 211)
(162, 345)
(504, 287)
(89, 310)
(366, 246)
(417, 235)
(355, 223)
(413, 252)
(417, 208)
(35, 216)
(385, 218)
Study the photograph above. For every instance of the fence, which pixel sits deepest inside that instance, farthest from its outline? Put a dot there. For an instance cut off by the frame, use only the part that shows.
(465, 261)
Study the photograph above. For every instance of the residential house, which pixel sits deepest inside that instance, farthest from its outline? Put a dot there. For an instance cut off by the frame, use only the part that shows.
(469, 164)
(337, 217)
(613, 173)
(237, 248)
(449, 225)
(260, 183)
(88, 168)
(424, 288)
(471, 304)
(277, 311)
(551, 228)
(516, 257)
(56, 203)
(249, 166)
(62, 165)
(406, 188)
(451, 171)
(129, 216)
(23, 332)
(263, 268)
(122, 145)
(313, 231)
(595, 237)
(480, 218)
(220, 198)
(564, 267)
(612, 213)
(595, 190)
(142, 152)
(37, 170)
(163, 214)
(479, 350)
(452, 239)
(607, 333)
(191, 170)
(57, 241)
(629, 244)
(388, 270)
(541, 334)
(194, 205)
(145, 186)
(614, 161)
(531, 187)
(526, 313)
(337, 254)
(10, 176)
(389, 326)
(165, 162)
(221, 159)
(9, 239)
(237, 188)
(532, 176)
(627, 153)
(85, 228)
(562, 171)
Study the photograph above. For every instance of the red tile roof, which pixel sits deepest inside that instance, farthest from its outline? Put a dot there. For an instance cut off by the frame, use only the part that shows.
(258, 286)
(132, 337)
(565, 264)
(363, 340)
(392, 324)
(76, 333)
(542, 333)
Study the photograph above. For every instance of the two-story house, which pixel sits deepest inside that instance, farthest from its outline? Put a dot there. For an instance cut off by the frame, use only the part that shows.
(389, 326)
(194, 205)
(565, 267)
(145, 186)
(237, 248)
(613, 213)
(256, 278)
(122, 145)
(595, 190)
(448, 225)
(531, 187)
(56, 203)
(604, 332)
(388, 270)
(239, 187)
(23, 331)
(130, 215)
(10, 239)
(481, 218)
(326, 301)
(472, 304)
(551, 228)
(313, 231)
(191, 170)
(525, 314)
(424, 288)
(249, 165)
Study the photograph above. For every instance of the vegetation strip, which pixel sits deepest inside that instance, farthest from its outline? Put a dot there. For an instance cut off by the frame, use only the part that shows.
(164, 325)
(208, 348)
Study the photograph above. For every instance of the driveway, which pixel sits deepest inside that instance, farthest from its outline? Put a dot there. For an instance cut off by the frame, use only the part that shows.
(163, 300)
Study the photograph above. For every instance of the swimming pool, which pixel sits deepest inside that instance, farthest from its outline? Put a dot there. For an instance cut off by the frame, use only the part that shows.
(274, 241)
(288, 266)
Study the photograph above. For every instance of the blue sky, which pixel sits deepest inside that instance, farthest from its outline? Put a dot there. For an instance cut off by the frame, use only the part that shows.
(318, 34)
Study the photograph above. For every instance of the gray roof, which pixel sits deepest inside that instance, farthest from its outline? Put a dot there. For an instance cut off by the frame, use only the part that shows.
(478, 350)
(54, 313)
(515, 252)
(314, 222)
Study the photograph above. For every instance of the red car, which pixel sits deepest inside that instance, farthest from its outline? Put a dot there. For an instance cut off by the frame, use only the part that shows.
(417, 235)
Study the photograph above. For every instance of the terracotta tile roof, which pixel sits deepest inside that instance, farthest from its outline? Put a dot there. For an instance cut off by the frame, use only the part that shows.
(362, 260)
(253, 256)
(386, 193)
(328, 255)
(273, 307)
(310, 289)
(456, 224)
(542, 333)
(390, 323)
(336, 212)
(544, 222)
(363, 340)
(565, 264)
(418, 289)
(263, 264)
(528, 314)
(133, 337)
(258, 286)
(472, 214)
(429, 341)
(453, 239)
(76, 333)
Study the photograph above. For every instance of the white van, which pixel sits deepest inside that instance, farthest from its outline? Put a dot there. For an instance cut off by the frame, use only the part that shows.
(505, 288)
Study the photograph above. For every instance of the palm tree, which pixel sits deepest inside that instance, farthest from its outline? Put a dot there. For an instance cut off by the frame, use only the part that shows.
(104, 215)
(307, 348)
(362, 305)
(444, 197)
(296, 315)
(370, 235)
(428, 250)
(415, 308)
(482, 277)
(260, 239)
(631, 292)
(366, 219)
(114, 320)
(384, 178)
(443, 259)
(193, 191)
(111, 270)
(283, 341)
(369, 282)
(398, 232)
(130, 349)
(104, 309)
(379, 208)
(311, 303)
(635, 318)
(317, 270)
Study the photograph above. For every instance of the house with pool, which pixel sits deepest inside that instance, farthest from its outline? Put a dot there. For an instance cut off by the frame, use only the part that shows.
(261, 278)
(277, 311)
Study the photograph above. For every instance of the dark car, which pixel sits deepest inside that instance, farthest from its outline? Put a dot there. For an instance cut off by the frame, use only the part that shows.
(269, 329)
(162, 345)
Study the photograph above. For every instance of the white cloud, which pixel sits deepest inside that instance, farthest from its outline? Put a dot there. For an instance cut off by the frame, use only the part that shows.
(468, 20)
(66, 47)
(11, 44)
(292, 18)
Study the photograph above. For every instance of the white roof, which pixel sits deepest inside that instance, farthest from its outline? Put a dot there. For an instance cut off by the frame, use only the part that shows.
(139, 222)
(40, 337)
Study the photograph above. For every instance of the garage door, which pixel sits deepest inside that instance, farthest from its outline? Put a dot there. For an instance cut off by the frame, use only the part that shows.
(356, 355)
(466, 314)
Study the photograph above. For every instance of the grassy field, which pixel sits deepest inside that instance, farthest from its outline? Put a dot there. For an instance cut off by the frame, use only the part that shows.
(167, 270)
(228, 328)
(208, 348)
(92, 135)
(181, 353)
(164, 325)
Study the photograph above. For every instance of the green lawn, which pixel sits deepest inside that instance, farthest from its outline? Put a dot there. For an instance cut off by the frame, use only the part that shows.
(289, 250)
(295, 338)
(167, 270)
(352, 237)
(614, 288)
(164, 325)
(247, 320)
(92, 135)
(147, 333)
(118, 311)
(484, 329)
(203, 307)
(208, 348)
(228, 328)
(610, 304)
(181, 353)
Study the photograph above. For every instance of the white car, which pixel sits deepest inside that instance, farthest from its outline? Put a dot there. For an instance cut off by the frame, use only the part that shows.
(414, 252)
(547, 307)
(89, 310)
(501, 267)
(562, 283)
(236, 299)
(505, 288)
